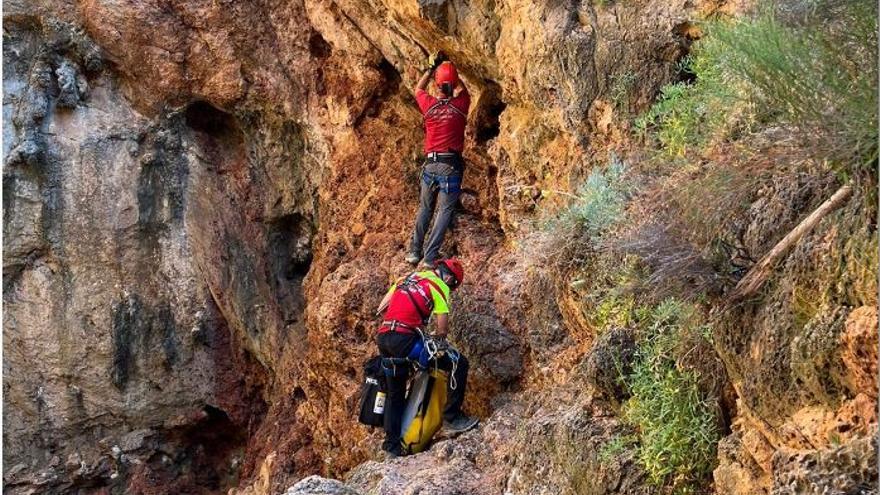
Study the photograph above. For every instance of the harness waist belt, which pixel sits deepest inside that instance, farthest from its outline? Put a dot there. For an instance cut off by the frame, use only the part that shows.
(435, 155)
(393, 325)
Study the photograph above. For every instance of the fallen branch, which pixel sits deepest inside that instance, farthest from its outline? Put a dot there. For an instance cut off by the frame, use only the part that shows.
(759, 274)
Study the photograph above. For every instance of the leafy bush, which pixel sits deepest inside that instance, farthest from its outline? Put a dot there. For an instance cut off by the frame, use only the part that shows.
(600, 201)
(574, 235)
(686, 115)
(621, 84)
(614, 311)
(677, 424)
(813, 69)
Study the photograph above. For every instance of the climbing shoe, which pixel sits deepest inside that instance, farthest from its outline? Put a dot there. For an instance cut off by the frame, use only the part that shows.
(460, 424)
(412, 258)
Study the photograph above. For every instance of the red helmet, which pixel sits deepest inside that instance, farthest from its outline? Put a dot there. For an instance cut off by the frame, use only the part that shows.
(446, 73)
(455, 268)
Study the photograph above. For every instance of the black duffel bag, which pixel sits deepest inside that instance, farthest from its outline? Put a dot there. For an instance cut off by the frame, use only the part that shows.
(372, 403)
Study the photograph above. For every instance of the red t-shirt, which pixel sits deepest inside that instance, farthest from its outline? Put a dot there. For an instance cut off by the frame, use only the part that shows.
(444, 123)
(401, 309)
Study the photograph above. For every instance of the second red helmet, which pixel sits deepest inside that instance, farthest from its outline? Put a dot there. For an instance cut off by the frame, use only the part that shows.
(446, 73)
(454, 266)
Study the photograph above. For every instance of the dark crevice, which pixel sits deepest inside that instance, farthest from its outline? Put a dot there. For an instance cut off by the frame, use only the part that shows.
(192, 458)
(161, 190)
(218, 135)
(299, 394)
(686, 33)
(138, 331)
(130, 323)
(387, 88)
(488, 112)
(203, 117)
(290, 257)
(318, 46)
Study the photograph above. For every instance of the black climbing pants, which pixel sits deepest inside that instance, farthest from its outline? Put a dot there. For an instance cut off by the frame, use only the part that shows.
(396, 344)
(443, 180)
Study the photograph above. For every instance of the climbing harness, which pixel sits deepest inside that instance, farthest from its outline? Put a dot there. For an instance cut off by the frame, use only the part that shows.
(393, 325)
(410, 286)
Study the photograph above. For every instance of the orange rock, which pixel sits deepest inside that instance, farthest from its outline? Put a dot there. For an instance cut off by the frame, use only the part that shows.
(859, 354)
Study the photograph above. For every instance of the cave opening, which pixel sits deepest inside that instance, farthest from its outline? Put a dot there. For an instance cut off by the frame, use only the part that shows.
(204, 117)
(290, 257)
(217, 134)
(487, 122)
(388, 87)
(194, 458)
(389, 75)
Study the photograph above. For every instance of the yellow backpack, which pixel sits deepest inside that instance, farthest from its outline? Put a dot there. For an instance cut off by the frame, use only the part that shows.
(423, 415)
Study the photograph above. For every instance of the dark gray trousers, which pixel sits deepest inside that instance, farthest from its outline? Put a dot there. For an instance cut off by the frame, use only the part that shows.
(445, 211)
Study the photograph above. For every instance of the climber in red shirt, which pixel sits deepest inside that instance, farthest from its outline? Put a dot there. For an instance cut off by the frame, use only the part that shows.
(406, 310)
(445, 119)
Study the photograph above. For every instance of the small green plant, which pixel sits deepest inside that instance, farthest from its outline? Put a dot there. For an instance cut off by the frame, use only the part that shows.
(677, 426)
(621, 84)
(616, 446)
(614, 311)
(688, 115)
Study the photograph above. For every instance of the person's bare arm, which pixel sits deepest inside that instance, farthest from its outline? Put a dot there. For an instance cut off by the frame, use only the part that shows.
(423, 82)
(442, 325)
(433, 62)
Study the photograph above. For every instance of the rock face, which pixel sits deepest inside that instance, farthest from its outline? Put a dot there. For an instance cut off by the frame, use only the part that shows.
(610, 361)
(315, 485)
(106, 311)
(544, 444)
(205, 200)
(803, 393)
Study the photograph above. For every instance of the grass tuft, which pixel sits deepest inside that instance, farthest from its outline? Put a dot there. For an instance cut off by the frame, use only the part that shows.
(616, 447)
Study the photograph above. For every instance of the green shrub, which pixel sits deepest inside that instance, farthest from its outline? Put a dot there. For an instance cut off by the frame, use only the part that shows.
(575, 233)
(600, 201)
(614, 311)
(676, 423)
(814, 70)
(685, 116)
(621, 84)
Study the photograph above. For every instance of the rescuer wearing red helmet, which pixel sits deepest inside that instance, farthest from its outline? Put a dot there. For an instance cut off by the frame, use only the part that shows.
(445, 118)
(406, 310)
